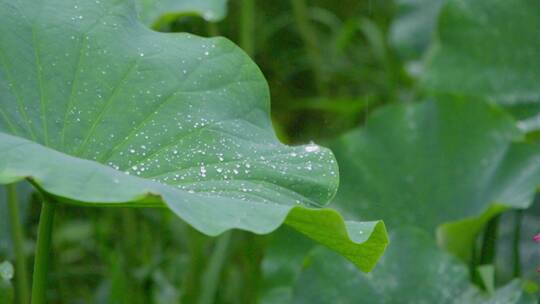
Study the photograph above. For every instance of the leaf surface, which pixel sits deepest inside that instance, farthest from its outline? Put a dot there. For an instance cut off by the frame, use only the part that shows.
(489, 48)
(413, 270)
(437, 162)
(98, 110)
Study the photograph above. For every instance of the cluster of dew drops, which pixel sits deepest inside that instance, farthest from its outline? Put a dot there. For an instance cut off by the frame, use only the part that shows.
(232, 169)
(222, 169)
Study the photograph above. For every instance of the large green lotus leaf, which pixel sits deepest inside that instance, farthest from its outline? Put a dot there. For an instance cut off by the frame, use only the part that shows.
(412, 30)
(489, 48)
(413, 270)
(436, 162)
(153, 12)
(96, 109)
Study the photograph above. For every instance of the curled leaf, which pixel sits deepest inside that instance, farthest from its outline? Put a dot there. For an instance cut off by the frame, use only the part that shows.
(98, 110)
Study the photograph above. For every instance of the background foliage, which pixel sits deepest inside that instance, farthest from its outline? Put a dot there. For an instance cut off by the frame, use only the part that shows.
(431, 108)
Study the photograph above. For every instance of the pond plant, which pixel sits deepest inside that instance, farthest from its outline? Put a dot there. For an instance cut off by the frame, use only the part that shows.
(105, 104)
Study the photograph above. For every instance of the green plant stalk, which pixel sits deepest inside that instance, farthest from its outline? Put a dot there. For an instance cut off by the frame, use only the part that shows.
(210, 279)
(489, 242)
(212, 29)
(473, 262)
(515, 243)
(309, 38)
(190, 285)
(130, 242)
(255, 245)
(485, 254)
(247, 27)
(17, 236)
(43, 248)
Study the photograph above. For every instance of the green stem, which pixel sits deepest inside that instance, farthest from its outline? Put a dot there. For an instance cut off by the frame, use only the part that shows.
(130, 242)
(488, 252)
(190, 285)
(247, 27)
(210, 279)
(515, 244)
(309, 38)
(17, 235)
(489, 242)
(473, 262)
(212, 29)
(43, 248)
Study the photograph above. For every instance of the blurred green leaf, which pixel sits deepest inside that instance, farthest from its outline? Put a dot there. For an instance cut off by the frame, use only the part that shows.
(413, 27)
(343, 105)
(163, 291)
(159, 12)
(413, 270)
(286, 253)
(489, 48)
(282, 264)
(375, 39)
(436, 162)
(455, 161)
